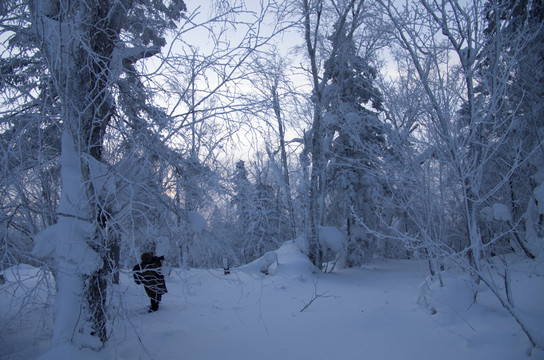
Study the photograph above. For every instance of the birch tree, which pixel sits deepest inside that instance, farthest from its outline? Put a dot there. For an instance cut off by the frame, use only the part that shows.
(275, 105)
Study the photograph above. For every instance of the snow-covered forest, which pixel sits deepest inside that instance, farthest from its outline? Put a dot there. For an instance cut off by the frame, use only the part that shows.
(357, 166)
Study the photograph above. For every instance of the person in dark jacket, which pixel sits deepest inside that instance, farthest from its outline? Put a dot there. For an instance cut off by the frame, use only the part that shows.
(148, 273)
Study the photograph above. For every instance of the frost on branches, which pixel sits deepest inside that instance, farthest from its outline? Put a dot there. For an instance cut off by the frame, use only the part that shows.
(87, 46)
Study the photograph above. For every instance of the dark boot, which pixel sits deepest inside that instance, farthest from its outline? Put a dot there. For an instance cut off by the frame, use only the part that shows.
(155, 301)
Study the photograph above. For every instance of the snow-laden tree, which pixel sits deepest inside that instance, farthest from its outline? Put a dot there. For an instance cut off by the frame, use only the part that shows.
(242, 197)
(357, 141)
(29, 137)
(512, 60)
(260, 217)
(465, 130)
(275, 101)
(206, 86)
(345, 138)
(88, 46)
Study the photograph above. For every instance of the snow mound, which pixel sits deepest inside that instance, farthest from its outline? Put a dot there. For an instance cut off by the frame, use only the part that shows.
(499, 212)
(21, 272)
(456, 296)
(262, 264)
(291, 260)
(287, 260)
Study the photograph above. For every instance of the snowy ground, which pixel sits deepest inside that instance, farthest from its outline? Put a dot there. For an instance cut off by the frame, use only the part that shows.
(366, 313)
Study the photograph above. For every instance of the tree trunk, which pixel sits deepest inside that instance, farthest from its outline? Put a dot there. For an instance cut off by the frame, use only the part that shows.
(314, 208)
(78, 41)
(285, 168)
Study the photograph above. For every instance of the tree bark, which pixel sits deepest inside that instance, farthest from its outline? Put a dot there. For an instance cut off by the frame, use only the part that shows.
(315, 190)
